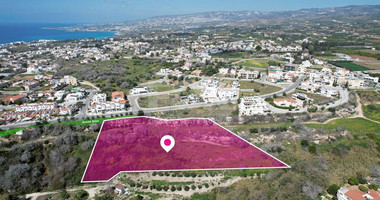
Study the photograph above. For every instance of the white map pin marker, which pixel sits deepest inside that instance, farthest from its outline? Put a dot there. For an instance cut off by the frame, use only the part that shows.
(167, 142)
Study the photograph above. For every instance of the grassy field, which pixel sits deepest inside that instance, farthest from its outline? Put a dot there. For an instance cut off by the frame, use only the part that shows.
(226, 110)
(351, 66)
(80, 122)
(13, 89)
(372, 111)
(262, 63)
(259, 88)
(160, 87)
(358, 125)
(160, 101)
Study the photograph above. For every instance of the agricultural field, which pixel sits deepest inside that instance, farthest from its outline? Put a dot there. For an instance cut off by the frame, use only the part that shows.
(351, 66)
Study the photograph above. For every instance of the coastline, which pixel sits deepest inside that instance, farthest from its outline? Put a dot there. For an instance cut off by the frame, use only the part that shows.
(47, 32)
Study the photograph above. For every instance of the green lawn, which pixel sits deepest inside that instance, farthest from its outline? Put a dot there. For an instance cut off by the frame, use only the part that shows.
(80, 122)
(372, 111)
(358, 125)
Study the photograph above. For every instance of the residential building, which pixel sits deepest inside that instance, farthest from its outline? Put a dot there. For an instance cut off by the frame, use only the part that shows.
(139, 90)
(355, 194)
(247, 74)
(253, 106)
(12, 99)
(99, 98)
(286, 102)
(118, 96)
(69, 80)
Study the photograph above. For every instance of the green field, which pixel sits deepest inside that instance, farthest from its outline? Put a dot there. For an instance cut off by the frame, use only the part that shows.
(80, 122)
(358, 125)
(372, 111)
(255, 63)
(351, 66)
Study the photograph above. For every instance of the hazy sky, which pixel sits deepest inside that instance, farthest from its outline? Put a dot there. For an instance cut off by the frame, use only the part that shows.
(97, 11)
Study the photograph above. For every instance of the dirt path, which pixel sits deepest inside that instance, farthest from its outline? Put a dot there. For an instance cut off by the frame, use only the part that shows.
(91, 192)
(358, 114)
(90, 84)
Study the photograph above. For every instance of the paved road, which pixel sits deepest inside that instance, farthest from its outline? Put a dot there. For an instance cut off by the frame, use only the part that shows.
(133, 99)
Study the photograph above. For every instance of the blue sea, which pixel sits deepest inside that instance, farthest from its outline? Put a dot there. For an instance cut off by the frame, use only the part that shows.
(30, 32)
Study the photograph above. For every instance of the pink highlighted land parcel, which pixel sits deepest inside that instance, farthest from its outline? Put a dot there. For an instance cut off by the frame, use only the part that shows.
(133, 145)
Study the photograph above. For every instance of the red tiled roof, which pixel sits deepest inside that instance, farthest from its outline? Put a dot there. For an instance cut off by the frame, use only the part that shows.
(14, 98)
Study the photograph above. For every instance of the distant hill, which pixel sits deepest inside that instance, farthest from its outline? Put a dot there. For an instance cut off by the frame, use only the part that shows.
(235, 17)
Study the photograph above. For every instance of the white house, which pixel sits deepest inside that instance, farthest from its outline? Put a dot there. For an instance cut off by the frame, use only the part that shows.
(139, 90)
(100, 97)
(329, 92)
(121, 189)
(286, 102)
(253, 106)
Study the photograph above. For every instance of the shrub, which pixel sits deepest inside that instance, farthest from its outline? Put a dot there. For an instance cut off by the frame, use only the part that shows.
(361, 179)
(140, 113)
(193, 187)
(187, 188)
(363, 188)
(253, 130)
(353, 181)
(313, 149)
(179, 188)
(172, 189)
(312, 109)
(200, 186)
(81, 194)
(333, 189)
(373, 186)
(206, 185)
(304, 143)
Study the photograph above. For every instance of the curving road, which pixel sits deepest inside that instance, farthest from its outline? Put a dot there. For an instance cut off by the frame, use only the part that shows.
(133, 99)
